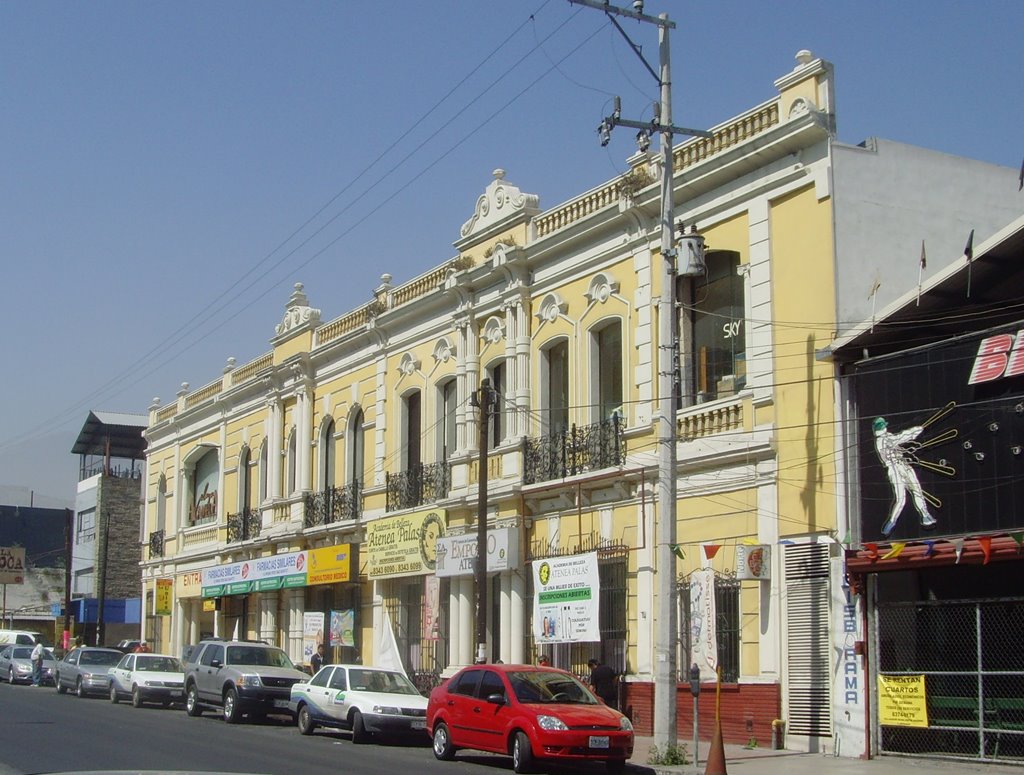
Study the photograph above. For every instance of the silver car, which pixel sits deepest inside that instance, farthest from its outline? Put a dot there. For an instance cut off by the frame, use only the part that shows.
(86, 670)
(16, 664)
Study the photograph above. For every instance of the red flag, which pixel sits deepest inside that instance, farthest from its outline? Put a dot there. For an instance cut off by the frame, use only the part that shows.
(986, 548)
(710, 550)
(872, 550)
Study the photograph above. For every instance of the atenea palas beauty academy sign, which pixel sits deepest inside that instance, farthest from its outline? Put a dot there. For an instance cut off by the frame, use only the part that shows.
(404, 546)
(567, 601)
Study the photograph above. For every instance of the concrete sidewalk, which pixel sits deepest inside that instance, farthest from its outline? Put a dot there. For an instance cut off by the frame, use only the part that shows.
(740, 760)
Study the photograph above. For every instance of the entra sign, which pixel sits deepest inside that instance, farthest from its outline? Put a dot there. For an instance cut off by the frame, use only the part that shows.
(999, 356)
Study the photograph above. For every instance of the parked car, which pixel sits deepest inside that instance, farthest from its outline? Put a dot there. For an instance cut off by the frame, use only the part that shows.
(531, 713)
(16, 665)
(148, 678)
(367, 700)
(20, 637)
(127, 646)
(85, 670)
(239, 677)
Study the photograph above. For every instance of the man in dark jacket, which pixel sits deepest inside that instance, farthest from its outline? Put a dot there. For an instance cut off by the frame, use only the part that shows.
(602, 681)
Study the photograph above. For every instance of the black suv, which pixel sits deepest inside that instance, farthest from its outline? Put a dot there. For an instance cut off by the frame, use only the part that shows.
(238, 677)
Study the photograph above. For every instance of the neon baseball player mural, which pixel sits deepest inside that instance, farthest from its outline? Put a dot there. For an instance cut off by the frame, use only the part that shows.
(898, 452)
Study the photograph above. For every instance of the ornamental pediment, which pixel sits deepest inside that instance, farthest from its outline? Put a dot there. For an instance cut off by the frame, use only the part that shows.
(499, 203)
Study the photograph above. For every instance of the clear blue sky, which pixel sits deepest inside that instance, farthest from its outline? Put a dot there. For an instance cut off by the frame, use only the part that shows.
(155, 157)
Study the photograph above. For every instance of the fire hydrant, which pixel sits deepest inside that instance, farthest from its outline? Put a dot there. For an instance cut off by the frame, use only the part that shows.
(778, 734)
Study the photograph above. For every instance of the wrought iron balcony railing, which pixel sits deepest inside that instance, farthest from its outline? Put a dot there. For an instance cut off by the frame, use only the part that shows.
(333, 504)
(244, 525)
(424, 483)
(156, 544)
(575, 450)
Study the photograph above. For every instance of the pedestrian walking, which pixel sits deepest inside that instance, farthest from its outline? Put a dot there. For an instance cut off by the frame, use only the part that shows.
(602, 681)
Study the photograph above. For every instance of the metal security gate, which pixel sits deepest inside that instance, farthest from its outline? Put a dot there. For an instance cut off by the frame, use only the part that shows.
(970, 655)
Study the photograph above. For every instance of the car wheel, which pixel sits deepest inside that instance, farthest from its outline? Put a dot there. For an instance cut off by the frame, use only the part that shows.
(192, 706)
(615, 766)
(136, 697)
(305, 721)
(522, 754)
(58, 685)
(443, 748)
(80, 689)
(10, 676)
(359, 733)
(113, 693)
(231, 713)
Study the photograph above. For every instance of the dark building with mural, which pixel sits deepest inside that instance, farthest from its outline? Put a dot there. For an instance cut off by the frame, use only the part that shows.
(934, 397)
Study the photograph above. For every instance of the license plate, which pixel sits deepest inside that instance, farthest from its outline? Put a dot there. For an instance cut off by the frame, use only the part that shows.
(599, 741)
(419, 724)
(280, 703)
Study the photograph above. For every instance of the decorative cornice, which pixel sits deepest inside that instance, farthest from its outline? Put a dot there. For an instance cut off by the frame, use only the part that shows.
(499, 202)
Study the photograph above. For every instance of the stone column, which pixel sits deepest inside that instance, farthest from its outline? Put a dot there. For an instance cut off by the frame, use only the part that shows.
(454, 620)
(505, 646)
(467, 630)
(304, 442)
(268, 616)
(295, 602)
(522, 384)
(517, 617)
(275, 439)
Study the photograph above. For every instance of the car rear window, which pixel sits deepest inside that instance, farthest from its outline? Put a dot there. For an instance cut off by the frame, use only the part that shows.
(100, 657)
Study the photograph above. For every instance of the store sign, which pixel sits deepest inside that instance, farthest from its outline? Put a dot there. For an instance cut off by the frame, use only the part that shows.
(456, 555)
(164, 594)
(330, 565)
(998, 356)
(404, 546)
(753, 563)
(279, 571)
(12, 565)
(566, 602)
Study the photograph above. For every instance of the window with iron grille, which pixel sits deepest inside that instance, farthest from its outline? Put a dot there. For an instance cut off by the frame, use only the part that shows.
(727, 628)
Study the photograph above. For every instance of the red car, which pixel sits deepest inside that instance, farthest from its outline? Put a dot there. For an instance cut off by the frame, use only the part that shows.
(531, 713)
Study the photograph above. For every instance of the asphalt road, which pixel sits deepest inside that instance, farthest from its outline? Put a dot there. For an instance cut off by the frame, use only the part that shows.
(41, 732)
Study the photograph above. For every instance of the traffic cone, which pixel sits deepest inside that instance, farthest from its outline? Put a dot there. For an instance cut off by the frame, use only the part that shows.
(716, 754)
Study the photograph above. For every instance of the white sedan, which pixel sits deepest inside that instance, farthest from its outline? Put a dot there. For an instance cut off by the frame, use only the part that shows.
(367, 700)
(147, 678)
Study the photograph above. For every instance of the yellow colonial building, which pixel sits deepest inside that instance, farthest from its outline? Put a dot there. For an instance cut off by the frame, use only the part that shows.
(329, 488)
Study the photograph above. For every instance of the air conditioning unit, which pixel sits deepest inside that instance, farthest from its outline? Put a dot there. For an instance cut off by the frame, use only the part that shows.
(754, 563)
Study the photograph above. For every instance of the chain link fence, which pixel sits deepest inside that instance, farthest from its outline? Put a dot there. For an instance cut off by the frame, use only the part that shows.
(973, 666)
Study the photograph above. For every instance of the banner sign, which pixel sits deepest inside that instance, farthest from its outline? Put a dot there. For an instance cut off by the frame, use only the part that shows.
(279, 571)
(901, 701)
(456, 555)
(343, 628)
(404, 546)
(566, 602)
(12, 565)
(703, 616)
(329, 565)
(312, 633)
(431, 607)
(164, 591)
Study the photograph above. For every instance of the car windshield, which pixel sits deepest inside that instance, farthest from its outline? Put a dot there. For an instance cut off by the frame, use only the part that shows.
(100, 658)
(158, 665)
(255, 655)
(384, 681)
(549, 687)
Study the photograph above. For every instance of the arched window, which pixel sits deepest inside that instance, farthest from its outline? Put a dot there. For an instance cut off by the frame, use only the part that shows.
(293, 462)
(161, 504)
(607, 359)
(412, 430)
(204, 506)
(357, 448)
(264, 462)
(244, 482)
(496, 432)
(448, 404)
(555, 386)
(328, 455)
